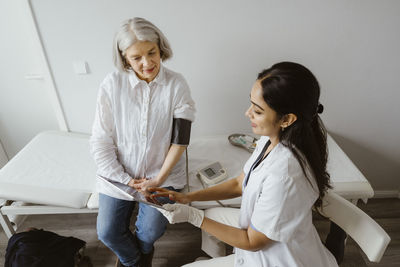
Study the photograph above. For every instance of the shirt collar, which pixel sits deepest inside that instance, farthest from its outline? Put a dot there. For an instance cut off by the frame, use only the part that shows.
(160, 78)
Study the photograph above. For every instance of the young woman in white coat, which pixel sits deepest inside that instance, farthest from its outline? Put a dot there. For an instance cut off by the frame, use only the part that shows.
(141, 128)
(281, 182)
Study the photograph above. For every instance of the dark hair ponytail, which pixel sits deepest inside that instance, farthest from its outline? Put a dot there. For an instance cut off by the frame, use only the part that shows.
(291, 88)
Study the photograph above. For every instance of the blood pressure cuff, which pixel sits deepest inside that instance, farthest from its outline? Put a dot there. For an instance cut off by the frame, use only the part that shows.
(181, 131)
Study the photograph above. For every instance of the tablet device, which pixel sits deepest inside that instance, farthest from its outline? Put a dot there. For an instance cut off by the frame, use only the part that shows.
(130, 192)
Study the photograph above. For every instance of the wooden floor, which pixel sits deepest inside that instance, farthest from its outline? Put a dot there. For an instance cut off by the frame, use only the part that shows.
(181, 243)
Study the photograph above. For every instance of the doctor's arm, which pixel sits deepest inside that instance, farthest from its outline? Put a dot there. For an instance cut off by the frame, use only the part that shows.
(229, 189)
(247, 239)
(226, 190)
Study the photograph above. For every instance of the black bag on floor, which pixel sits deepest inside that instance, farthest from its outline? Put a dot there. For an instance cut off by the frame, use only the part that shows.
(38, 248)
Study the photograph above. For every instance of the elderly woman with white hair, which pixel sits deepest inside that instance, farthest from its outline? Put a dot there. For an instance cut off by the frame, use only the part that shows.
(141, 129)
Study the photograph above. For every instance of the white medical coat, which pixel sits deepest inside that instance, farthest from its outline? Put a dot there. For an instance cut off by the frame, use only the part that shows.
(277, 202)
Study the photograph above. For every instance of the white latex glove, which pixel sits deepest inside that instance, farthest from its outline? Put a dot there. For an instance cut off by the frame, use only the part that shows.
(178, 213)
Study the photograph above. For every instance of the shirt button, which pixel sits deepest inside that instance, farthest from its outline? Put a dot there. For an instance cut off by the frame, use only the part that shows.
(240, 261)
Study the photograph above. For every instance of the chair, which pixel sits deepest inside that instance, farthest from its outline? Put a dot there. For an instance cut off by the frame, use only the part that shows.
(371, 238)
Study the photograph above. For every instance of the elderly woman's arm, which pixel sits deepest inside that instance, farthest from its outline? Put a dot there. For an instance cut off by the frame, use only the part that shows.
(102, 146)
(173, 156)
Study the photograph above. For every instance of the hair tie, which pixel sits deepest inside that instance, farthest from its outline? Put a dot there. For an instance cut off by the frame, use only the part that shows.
(320, 108)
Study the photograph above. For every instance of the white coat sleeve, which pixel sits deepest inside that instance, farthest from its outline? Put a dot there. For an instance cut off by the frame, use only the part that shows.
(102, 146)
(184, 107)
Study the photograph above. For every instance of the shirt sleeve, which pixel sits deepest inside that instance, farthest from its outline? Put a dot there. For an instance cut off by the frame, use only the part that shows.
(184, 106)
(102, 146)
(280, 209)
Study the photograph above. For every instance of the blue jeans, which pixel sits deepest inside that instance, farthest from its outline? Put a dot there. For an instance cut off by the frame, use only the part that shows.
(113, 222)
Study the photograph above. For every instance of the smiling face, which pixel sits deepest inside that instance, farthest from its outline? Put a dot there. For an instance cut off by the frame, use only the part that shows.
(144, 58)
(264, 120)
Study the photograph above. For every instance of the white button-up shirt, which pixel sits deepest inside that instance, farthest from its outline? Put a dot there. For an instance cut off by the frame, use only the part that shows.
(277, 202)
(131, 133)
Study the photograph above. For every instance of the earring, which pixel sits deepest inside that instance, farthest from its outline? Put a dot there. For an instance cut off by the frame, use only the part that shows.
(283, 129)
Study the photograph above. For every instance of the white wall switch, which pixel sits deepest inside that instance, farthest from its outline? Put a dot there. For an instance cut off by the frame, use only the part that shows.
(80, 67)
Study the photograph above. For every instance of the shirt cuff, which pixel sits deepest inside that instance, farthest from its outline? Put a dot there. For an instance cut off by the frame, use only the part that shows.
(125, 178)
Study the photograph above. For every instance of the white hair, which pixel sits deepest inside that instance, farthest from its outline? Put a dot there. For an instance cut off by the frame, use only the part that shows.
(135, 30)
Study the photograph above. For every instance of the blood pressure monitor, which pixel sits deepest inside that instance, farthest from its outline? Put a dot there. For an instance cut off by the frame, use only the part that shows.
(213, 173)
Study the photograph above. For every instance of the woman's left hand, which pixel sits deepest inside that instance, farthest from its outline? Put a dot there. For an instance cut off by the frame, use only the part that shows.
(142, 184)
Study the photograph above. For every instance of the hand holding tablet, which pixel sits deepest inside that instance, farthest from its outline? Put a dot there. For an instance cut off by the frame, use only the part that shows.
(131, 193)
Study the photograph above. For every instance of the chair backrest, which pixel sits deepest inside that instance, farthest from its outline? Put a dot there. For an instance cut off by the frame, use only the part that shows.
(371, 238)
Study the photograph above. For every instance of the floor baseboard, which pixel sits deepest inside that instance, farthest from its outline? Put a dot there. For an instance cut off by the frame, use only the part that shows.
(387, 194)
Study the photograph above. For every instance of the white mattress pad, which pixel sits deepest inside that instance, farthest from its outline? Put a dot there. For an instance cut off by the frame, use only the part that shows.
(55, 168)
(347, 180)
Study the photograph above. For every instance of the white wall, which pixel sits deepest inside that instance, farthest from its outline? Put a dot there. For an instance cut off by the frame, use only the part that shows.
(25, 106)
(220, 46)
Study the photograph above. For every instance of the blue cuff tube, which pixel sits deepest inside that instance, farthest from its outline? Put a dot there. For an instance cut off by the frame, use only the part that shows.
(181, 131)
(254, 228)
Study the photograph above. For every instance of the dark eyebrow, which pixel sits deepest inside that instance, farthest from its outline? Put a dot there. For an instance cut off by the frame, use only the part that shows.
(256, 104)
